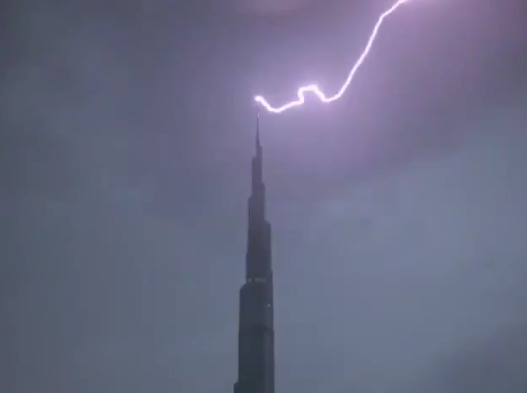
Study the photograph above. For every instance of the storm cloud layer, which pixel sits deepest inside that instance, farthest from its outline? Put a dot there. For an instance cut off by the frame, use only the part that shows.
(399, 215)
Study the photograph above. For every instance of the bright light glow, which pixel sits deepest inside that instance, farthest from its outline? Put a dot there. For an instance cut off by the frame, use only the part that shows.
(315, 89)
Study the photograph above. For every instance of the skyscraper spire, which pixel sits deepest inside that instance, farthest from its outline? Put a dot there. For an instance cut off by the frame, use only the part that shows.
(256, 327)
(257, 164)
(258, 144)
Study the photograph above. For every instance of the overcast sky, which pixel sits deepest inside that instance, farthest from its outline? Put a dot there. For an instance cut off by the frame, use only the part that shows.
(399, 213)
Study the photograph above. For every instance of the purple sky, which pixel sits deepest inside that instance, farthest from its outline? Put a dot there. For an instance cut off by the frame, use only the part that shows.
(399, 214)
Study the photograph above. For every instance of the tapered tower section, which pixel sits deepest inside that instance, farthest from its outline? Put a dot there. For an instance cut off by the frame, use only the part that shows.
(256, 331)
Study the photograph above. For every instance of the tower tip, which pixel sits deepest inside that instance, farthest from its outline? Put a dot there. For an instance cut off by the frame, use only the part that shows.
(258, 144)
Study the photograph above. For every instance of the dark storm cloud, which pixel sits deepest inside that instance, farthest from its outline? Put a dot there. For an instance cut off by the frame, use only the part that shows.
(440, 264)
(270, 7)
(398, 213)
(493, 364)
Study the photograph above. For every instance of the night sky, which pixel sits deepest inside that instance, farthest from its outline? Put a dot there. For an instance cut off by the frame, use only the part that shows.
(399, 213)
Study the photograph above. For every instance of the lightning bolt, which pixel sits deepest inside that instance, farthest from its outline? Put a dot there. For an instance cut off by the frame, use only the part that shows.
(315, 89)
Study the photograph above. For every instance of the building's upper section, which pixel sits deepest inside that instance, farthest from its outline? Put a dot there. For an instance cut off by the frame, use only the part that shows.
(258, 187)
(259, 236)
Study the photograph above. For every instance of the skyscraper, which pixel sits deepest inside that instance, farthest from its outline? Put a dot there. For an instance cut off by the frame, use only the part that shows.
(256, 331)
